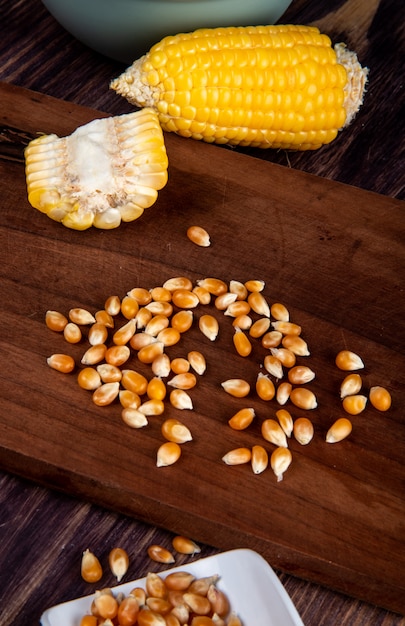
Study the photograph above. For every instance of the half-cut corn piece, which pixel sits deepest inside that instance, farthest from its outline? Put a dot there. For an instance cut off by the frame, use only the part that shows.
(280, 86)
(105, 172)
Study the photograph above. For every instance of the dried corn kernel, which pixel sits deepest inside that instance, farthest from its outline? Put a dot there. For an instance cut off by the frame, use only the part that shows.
(203, 295)
(178, 282)
(235, 286)
(133, 418)
(285, 356)
(215, 286)
(295, 344)
(141, 295)
(286, 421)
(300, 375)
(142, 318)
(259, 327)
(348, 361)
(180, 399)
(209, 326)
(254, 285)
(287, 328)
(173, 430)
(91, 569)
(148, 354)
(354, 404)
(55, 321)
(273, 366)
(199, 236)
(280, 461)
(380, 398)
(104, 605)
(124, 334)
(187, 380)
(283, 392)
(224, 300)
(129, 307)
(167, 454)
(236, 387)
(183, 545)
(112, 305)
(303, 430)
(72, 333)
(241, 343)
(237, 308)
(185, 299)
(128, 611)
(98, 333)
(140, 340)
(89, 378)
(169, 336)
(259, 460)
(238, 456)
(351, 385)
(106, 394)
(94, 354)
(109, 373)
(265, 388)
(258, 303)
(183, 320)
(160, 308)
(81, 316)
(244, 322)
(242, 419)
(280, 312)
(161, 365)
(156, 324)
(118, 560)
(117, 355)
(102, 317)
(160, 554)
(180, 365)
(197, 361)
(156, 389)
(160, 294)
(61, 362)
(152, 407)
(272, 339)
(272, 432)
(303, 398)
(339, 430)
(134, 381)
(129, 399)
(198, 604)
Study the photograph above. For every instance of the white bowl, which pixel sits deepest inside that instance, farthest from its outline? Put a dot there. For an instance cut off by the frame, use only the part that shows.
(255, 592)
(126, 29)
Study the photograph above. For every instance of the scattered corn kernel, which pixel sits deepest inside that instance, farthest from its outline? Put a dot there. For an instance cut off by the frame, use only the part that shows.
(124, 334)
(380, 398)
(348, 361)
(112, 305)
(102, 317)
(241, 342)
(209, 326)
(160, 554)
(215, 286)
(81, 316)
(199, 236)
(168, 453)
(242, 419)
(148, 354)
(117, 355)
(259, 327)
(128, 611)
(244, 322)
(129, 307)
(72, 333)
(224, 300)
(303, 398)
(152, 407)
(285, 356)
(104, 604)
(185, 299)
(237, 308)
(238, 456)
(300, 375)
(265, 388)
(141, 295)
(303, 430)
(183, 320)
(156, 324)
(118, 560)
(287, 328)
(89, 378)
(197, 361)
(160, 308)
(133, 418)
(295, 344)
(98, 333)
(203, 295)
(109, 373)
(174, 430)
(236, 387)
(286, 421)
(55, 321)
(180, 399)
(187, 380)
(61, 362)
(272, 432)
(280, 461)
(351, 385)
(283, 392)
(260, 459)
(129, 399)
(236, 286)
(94, 354)
(160, 294)
(258, 303)
(254, 285)
(339, 430)
(273, 366)
(161, 365)
(200, 605)
(280, 312)
(91, 569)
(272, 339)
(354, 404)
(156, 389)
(134, 381)
(106, 394)
(177, 282)
(184, 545)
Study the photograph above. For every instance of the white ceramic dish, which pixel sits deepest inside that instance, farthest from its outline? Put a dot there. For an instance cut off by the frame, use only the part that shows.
(254, 590)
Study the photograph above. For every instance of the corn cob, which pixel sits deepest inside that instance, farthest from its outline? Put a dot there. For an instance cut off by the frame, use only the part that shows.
(106, 171)
(265, 86)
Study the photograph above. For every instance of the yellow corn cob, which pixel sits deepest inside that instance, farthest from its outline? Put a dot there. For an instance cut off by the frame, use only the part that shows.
(106, 171)
(264, 86)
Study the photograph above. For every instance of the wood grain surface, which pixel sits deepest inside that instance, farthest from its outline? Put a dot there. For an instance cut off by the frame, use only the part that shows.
(42, 532)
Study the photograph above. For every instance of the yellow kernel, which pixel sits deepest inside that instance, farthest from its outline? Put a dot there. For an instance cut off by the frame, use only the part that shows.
(91, 569)
(117, 355)
(254, 285)
(380, 398)
(244, 322)
(81, 316)
(272, 432)
(219, 601)
(72, 333)
(280, 461)
(143, 317)
(128, 611)
(339, 430)
(198, 604)
(146, 617)
(160, 308)
(295, 344)
(303, 398)
(235, 286)
(259, 304)
(159, 606)
(55, 321)
(174, 430)
(265, 388)
(237, 308)
(160, 294)
(106, 394)
(167, 454)
(118, 560)
(280, 312)
(260, 459)
(169, 336)
(134, 381)
(209, 326)
(156, 324)
(89, 620)
(139, 340)
(124, 334)
(354, 404)
(182, 320)
(271, 339)
(129, 399)
(148, 354)
(197, 361)
(224, 300)
(152, 407)
(102, 317)
(129, 307)
(300, 374)
(285, 420)
(61, 362)
(154, 583)
(215, 286)
(94, 354)
(236, 387)
(287, 328)
(242, 419)
(260, 327)
(161, 365)
(303, 430)
(180, 399)
(287, 358)
(348, 361)
(98, 333)
(238, 456)
(109, 373)
(199, 236)
(104, 604)
(156, 389)
(185, 299)
(178, 282)
(241, 343)
(183, 545)
(351, 385)
(203, 295)
(89, 378)
(186, 380)
(283, 392)
(141, 295)
(112, 305)
(180, 365)
(133, 418)
(273, 366)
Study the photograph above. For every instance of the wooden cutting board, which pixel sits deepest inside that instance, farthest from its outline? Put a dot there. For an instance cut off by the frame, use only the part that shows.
(333, 254)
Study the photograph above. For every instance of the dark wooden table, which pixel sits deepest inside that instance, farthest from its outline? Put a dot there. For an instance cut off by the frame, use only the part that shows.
(42, 533)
